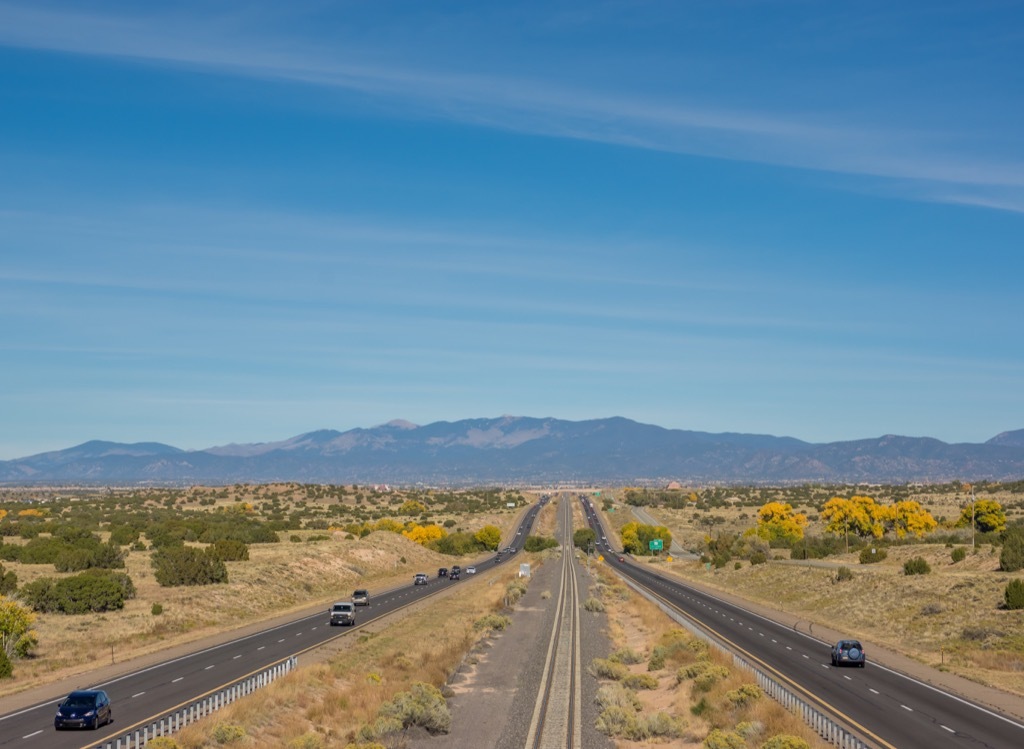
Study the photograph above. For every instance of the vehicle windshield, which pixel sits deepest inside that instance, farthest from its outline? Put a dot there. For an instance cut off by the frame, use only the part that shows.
(80, 700)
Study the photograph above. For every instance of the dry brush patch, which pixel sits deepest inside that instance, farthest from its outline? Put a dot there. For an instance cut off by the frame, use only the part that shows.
(717, 696)
(329, 702)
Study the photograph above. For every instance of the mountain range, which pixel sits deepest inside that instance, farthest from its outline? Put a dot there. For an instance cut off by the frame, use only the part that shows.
(523, 450)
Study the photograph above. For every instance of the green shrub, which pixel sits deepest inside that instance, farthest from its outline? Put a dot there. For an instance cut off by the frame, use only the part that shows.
(744, 695)
(307, 741)
(73, 560)
(616, 695)
(593, 604)
(583, 538)
(8, 581)
(872, 554)
(6, 667)
(719, 739)
(916, 566)
(958, 554)
(758, 557)
(90, 591)
(157, 609)
(539, 543)
(618, 721)
(229, 550)
(423, 705)
(1014, 595)
(815, 547)
(738, 566)
(606, 669)
(515, 590)
(492, 621)
(226, 733)
(185, 565)
(162, 742)
(844, 574)
(640, 681)
(785, 741)
(711, 675)
(123, 535)
(703, 707)
(627, 656)
(1011, 558)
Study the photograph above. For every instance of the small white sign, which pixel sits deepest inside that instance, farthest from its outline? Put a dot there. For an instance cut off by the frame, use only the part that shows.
(524, 570)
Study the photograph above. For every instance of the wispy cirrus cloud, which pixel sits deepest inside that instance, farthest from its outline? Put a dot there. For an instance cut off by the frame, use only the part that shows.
(915, 165)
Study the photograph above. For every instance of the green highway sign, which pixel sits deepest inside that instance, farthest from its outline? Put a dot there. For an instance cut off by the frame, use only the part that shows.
(656, 544)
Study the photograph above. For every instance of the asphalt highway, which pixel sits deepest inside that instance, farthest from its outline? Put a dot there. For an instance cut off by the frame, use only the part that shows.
(140, 697)
(884, 707)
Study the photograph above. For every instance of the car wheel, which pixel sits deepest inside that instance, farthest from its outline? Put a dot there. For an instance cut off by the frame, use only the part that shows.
(95, 723)
(862, 664)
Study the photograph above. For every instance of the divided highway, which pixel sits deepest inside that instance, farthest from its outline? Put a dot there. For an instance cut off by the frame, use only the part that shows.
(148, 693)
(884, 707)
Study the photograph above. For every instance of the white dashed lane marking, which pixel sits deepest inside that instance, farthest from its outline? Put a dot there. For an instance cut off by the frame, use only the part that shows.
(175, 681)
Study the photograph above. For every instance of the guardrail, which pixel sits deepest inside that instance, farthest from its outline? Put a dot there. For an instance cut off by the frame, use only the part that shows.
(821, 723)
(210, 703)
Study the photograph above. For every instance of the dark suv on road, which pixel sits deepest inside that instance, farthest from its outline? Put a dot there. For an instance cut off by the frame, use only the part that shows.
(848, 652)
(84, 708)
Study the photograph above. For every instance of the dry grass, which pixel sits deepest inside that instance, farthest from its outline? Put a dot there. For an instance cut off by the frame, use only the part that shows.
(333, 699)
(641, 626)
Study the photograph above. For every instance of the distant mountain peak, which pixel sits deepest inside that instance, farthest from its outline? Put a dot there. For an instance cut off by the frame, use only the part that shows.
(516, 450)
(401, 424)
(1008, 439)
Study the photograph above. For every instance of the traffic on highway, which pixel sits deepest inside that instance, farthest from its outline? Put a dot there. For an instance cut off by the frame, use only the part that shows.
(884, 707)
(140, 697)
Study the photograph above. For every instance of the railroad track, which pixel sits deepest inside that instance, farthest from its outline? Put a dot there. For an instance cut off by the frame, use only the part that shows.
(556, 722)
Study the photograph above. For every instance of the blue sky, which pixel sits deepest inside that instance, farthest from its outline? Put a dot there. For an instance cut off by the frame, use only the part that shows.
(235, 222)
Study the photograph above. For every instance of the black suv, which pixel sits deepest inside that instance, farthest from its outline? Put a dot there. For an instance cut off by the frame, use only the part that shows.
(84, 708)
(848, 652)
(443, 572)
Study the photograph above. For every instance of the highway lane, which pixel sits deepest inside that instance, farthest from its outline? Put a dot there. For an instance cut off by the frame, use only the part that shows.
(148, 693)
(893, 709)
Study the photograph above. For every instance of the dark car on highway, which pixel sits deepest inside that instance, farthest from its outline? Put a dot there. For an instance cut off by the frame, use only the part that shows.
(848, 652)
(84, 708)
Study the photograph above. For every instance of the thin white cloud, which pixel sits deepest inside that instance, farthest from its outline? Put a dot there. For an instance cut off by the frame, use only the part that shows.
(804, 141)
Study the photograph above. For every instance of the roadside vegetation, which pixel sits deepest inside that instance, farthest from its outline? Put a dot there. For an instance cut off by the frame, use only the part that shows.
(127, 564)
(390, 678)
(934, 572)
(661, 684)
